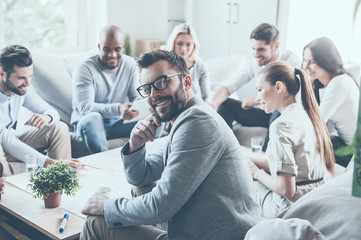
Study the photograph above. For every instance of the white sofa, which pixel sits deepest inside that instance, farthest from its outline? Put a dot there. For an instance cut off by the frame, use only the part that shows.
(327, 212)
(52, 80)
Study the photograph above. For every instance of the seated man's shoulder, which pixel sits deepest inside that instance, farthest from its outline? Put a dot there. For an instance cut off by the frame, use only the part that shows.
(290, 57)
(128, 60)
(199, 117)
(86, 63)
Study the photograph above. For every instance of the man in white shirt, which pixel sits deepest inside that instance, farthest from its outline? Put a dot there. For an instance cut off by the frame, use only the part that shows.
(47, 133)
(265, 44)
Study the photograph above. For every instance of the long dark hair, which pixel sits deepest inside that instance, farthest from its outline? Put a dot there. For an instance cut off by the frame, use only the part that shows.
(326, 55)
(294, 79)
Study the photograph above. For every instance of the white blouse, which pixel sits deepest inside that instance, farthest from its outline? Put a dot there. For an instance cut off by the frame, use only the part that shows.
(339, 107)
(293, 149)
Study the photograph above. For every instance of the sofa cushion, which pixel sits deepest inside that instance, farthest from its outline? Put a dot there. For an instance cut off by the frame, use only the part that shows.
(330, 208)
(52, 79)
(287, 229)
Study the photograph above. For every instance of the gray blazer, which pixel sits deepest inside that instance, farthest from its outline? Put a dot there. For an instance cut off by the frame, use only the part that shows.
(204, 183)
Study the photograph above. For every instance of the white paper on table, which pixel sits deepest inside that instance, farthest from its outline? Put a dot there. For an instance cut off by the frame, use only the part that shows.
(110, 175)
(141, 105)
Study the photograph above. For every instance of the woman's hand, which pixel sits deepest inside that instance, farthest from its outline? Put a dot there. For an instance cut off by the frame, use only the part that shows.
(254, 169)
(2, 185)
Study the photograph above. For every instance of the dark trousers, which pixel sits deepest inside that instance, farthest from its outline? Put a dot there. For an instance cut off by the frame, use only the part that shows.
(231, 110)
(337, 143)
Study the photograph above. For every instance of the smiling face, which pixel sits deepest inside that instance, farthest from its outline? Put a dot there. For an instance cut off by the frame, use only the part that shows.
(170, 102)
(267, 95)
(313, 70)
(19, 79)
(184, 45)
(264, 53)
(111, 50)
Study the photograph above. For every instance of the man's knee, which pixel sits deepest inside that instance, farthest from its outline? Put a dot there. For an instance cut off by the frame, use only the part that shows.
(90, 120)
(60, 127)
(228, 106)
(58, 130)
(92, 227)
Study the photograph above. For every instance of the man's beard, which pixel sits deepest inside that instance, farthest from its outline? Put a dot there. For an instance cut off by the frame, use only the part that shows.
(13, 88)
(176, 107)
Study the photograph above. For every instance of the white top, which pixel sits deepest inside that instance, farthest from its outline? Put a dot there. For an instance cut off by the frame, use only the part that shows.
(200, 79)
(96, 89)
(10, 107)
(251, 69)
(16, 148)
(292, 148)
(339, 106)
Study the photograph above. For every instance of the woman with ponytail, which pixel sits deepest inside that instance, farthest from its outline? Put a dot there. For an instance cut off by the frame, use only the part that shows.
(299, 150)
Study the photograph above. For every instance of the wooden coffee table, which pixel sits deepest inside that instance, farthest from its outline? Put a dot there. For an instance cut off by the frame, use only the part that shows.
(19, 202)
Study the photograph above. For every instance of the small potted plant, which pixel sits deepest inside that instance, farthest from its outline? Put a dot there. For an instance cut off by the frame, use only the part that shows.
(49, 183)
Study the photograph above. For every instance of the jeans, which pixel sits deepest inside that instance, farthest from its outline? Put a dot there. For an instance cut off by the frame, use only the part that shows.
(96, 131)
(231, 110)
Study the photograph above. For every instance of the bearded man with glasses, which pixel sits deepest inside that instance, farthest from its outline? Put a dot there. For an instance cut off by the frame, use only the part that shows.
(203, 188)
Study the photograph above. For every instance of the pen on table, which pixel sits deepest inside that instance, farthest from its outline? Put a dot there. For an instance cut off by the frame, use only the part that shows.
(86, 165)
(63, 222)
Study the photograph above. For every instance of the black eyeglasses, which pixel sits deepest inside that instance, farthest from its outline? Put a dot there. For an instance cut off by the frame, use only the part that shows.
(159, 84)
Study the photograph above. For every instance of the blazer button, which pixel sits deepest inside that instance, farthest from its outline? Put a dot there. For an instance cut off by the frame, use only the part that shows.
(117, 224)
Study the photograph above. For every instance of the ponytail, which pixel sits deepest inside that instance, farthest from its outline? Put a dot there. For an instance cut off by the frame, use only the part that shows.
(310, 105)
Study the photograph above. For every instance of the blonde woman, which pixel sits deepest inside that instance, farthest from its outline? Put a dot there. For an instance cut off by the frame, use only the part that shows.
(299, 150)
(184, 41)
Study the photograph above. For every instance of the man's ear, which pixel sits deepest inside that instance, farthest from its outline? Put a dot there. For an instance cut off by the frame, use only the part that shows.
(187, 81)
(276, 44)
(99, 46)
(2, 74)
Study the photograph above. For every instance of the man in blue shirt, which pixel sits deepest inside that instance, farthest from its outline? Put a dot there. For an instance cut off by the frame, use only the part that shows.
(47, 133)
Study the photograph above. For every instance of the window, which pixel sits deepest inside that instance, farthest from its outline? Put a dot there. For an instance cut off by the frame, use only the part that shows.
(310, 19)
(42, 24)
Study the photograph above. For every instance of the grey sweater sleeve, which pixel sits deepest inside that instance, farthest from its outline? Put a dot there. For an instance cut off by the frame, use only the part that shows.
(84, 94)
(193, 152)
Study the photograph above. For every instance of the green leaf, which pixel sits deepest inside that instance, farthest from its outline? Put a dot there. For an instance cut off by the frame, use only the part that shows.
(345, 151)
(127, 45)
(57, 177)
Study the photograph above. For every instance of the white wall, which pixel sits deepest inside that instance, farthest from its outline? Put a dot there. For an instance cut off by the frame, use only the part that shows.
(96, 20)
(152, 19)
(307, 23)
(142, 19)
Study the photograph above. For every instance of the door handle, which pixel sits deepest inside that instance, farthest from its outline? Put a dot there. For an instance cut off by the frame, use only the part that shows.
(228, 12)
(235, 13)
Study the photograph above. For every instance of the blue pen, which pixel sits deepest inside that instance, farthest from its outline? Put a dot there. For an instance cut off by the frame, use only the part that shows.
(63, 222)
